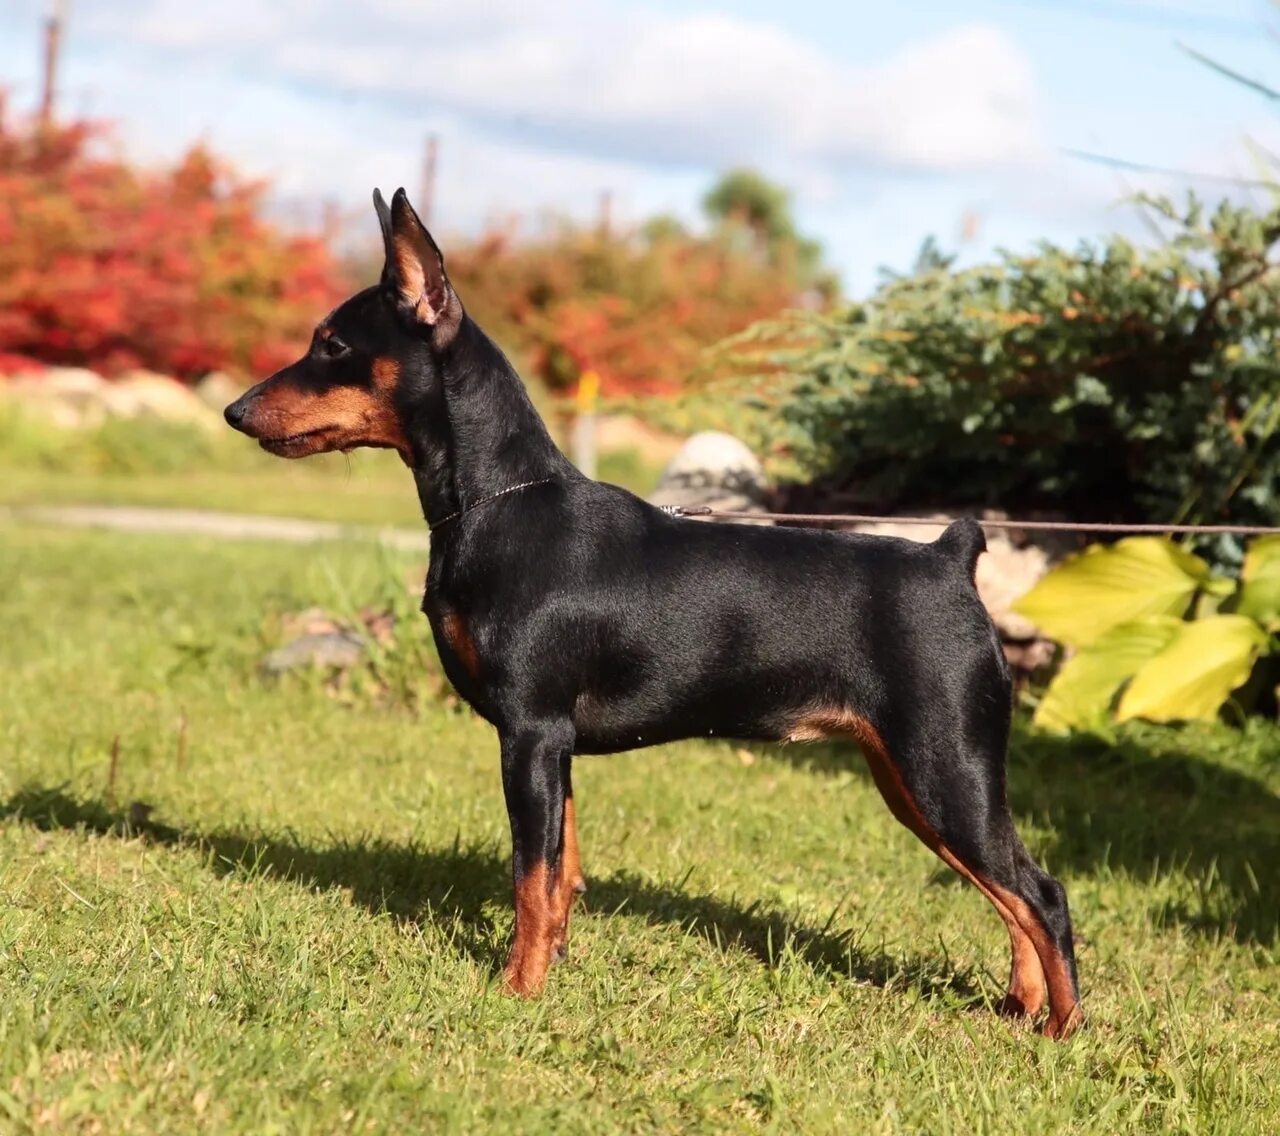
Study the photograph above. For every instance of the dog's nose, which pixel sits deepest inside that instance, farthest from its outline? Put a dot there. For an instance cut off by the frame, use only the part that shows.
(234, 414)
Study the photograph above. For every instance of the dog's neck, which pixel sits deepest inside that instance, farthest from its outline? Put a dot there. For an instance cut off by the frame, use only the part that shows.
(477, 433)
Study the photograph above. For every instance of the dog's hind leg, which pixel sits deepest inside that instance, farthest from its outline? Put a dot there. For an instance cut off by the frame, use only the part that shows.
(954, 802)
(956, 806)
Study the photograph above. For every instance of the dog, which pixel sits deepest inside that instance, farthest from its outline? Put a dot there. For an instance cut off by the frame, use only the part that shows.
(578, 619)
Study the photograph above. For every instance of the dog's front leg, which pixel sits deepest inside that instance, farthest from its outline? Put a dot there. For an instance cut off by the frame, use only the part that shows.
(535, 779)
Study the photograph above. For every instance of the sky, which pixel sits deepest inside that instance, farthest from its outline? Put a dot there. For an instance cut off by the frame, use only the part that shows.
(888, 121)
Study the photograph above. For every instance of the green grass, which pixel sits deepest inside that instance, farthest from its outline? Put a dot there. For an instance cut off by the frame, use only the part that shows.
(301, 930)
(370, 492)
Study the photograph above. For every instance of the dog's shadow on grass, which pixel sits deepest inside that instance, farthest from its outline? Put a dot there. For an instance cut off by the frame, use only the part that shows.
(1146, 805)
(1152, 806)
(460, 887)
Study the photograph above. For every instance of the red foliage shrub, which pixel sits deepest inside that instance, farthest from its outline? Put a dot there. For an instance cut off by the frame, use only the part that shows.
(105, 266)
(638, 312)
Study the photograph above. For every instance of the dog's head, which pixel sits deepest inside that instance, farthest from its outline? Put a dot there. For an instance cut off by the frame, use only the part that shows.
(366, 357)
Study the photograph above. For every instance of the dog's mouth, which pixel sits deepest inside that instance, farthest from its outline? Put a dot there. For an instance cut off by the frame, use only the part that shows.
(297, 445)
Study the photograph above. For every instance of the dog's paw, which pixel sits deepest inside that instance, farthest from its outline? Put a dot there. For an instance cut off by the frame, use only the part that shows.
(1061, 1028)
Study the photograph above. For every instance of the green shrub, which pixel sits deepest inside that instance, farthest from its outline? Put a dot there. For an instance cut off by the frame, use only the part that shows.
(1112, 382)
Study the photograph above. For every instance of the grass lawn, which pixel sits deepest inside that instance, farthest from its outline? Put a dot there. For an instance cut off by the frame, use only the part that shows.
(366, 492)
(296, 925)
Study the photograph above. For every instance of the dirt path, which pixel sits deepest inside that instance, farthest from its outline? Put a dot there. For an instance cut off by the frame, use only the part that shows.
(200, 522)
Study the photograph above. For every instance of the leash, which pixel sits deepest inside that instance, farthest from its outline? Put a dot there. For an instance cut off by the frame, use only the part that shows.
(867, 519)
(484, 501)
(1043, 526)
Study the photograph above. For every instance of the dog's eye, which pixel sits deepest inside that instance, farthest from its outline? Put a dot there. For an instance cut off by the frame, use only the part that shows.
(333, 347)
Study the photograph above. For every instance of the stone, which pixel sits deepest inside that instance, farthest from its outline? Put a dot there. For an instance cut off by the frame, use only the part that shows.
(142, 393)
(217, 389)
(1027, 657)
(74, 398)
(716, 470)
(308, 621)
(328, 650)
(69, 397)
(64, 382)
(1004, 575)
(317, 638)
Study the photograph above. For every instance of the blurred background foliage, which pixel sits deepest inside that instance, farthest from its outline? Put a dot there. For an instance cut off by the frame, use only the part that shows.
(107, 265)
(1109, 382)
(638, 307)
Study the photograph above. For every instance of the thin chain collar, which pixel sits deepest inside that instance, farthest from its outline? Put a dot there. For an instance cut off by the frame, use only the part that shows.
(484, 501)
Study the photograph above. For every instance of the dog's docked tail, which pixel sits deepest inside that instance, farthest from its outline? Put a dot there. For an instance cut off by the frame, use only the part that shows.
(963, 541)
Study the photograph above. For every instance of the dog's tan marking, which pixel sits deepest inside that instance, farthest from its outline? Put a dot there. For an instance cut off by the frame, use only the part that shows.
(1038, 969)
(340, 418)
(386, 373)
(569, 883)
(456, 633)
(570, 862)
(534, 942)
(1065, 1015)
(544, 902)
(411, 281)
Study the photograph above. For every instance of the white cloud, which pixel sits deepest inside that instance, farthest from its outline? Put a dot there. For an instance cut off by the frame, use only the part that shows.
(620, 83)
(311, 150)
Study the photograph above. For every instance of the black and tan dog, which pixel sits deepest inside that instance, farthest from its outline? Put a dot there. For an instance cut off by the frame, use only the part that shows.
(578, 619)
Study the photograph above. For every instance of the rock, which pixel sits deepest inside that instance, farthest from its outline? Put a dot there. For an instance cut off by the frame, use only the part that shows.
(141, 393)
(308, 621)
(713, 469)
(69, 397)
(379, 624)
(1026, 658)
(62, 382)
(217, 389)
(317, 638)
(1005, 574)
(925, 534)
(120, 402)
(328, 650)
(74, 398)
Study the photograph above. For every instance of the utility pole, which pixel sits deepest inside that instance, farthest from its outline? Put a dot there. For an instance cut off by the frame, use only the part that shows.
(49, 71)
(606, 213)
(427, 198)
(330, 220)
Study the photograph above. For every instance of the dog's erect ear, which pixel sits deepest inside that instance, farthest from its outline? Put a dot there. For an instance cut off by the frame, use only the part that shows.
(414, 270)
(384, 220)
